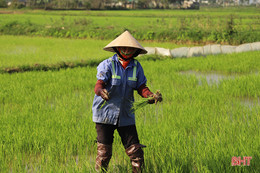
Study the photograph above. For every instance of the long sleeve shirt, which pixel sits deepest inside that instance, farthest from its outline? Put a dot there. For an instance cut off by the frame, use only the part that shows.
(120, 84)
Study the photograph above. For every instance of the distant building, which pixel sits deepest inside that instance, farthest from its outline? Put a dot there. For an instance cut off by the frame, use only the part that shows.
(254, 2)
(190, 4)
(204, 2)
(130, 4)
(237, 2)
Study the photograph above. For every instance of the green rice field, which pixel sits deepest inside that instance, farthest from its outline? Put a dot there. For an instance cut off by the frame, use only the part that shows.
(210, 110)
(218, 25)
(201, 124)
(24, 50)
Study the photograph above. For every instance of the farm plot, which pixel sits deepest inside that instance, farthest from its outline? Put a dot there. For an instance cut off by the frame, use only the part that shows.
(220, 26)
(46, 121)
(19, 51)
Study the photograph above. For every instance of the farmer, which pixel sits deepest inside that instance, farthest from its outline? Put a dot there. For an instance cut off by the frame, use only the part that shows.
(117, 78)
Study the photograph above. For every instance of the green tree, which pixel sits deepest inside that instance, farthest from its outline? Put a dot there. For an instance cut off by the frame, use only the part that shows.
(3, 4)
(176, 1)
(31, 3)
(143, 3)
(86, 4)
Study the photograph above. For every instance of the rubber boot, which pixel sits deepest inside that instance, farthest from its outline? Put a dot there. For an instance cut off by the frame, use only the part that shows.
(104, 153)
(136, 155)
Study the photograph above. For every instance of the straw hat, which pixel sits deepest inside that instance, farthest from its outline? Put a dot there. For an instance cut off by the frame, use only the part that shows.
(125, 40)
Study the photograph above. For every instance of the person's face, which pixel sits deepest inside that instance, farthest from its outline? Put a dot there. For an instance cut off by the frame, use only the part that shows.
(127, 52)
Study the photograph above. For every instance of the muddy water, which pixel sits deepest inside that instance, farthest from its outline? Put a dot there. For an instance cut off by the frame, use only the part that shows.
(211, 78)
(216, 78)
(250, 103)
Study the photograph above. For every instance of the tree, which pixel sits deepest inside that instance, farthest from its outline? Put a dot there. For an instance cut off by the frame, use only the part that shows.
(143, 3)
(176, 1)
(97, 4)
(86, 4)
(3, 4)
(31, 3)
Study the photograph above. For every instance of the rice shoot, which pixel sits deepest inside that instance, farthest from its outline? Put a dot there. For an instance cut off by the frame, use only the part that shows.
(140, 104)
(145, 101)
(103, 104)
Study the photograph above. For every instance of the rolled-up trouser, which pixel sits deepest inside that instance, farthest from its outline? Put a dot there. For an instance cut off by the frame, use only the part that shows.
(136, 155)
(104, 153)
(129, 138)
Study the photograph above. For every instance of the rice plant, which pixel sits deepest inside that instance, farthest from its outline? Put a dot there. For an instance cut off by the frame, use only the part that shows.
(46, 123)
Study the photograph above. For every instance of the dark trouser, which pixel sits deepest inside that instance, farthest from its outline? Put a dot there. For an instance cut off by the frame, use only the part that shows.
(105, 134)
(129, 138)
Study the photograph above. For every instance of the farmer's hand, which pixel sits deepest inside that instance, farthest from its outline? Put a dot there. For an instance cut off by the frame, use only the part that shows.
(151, 99)
(157, 97)
(104, 94)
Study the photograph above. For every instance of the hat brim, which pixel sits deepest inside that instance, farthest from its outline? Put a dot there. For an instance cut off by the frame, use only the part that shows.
(111, 49)
(125, 40)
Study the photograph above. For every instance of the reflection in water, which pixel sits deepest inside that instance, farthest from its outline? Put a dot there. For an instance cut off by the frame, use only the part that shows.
(214, 78)
(250, 102)
(211, 78)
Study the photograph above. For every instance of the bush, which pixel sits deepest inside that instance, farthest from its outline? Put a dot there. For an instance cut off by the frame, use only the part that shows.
(19, 28)
(3, 4)
(186, 30)
(17, 5)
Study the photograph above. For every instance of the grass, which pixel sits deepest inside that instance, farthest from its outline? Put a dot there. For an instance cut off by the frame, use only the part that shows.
(46, 121)
(29, 51)
(161, 25)
(243, 10)
(24, 53)
(24, 50)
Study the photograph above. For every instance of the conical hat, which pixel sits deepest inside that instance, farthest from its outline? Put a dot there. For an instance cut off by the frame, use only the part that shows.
(125, 40)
